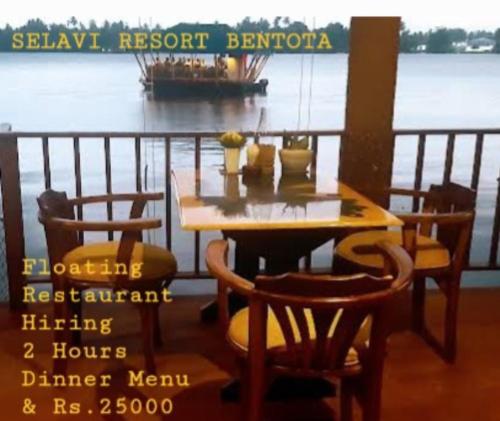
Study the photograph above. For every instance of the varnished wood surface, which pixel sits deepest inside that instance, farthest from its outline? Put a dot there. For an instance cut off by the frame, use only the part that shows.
(209, 200)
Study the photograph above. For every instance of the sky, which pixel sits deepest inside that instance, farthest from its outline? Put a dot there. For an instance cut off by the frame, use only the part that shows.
(419, 15)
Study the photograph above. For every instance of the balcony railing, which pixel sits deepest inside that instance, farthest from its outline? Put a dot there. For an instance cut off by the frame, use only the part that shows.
(11, 175)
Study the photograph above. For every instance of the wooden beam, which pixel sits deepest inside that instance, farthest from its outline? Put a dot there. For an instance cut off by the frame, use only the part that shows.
(367, 147)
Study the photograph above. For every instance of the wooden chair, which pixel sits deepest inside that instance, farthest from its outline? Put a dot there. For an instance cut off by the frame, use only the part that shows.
(438, 240)
(311, 326)
(56, 213)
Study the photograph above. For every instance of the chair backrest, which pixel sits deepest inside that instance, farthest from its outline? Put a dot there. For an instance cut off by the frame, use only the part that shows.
(318, 330)
(450, 198)
(320, 315)
(62, 230)
(53, 204)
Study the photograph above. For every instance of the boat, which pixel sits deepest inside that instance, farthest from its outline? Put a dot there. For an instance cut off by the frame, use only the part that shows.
(227, 75)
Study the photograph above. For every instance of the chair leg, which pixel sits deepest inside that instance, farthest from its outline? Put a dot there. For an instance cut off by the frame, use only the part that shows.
(450, 327)
(371, 391)
(255, 390)
(244, 386)
(418, 305)
(346, 399)
(158, 341)
(371, 405)
(76, 310)
(62, 311)
(147, 320)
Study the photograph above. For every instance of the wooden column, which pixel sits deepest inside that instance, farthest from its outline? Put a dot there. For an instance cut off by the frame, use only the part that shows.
(13, 216)
(367, 148)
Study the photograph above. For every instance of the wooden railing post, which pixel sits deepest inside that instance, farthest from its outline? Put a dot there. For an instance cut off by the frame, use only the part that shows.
(10, 182)
(495, 236)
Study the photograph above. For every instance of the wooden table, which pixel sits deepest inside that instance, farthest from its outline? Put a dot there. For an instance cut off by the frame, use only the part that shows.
(281, 218)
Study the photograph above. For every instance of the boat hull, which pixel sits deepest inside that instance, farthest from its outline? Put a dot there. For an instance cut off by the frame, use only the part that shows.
(175, 88)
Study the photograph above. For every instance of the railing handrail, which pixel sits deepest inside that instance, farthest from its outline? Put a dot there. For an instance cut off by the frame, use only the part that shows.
(462, 131)
(182, 134)
(215, 133)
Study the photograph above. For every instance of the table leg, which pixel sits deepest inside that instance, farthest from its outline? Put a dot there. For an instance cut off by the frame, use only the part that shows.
(230, 392)
(208, 312)
(277, 265)
(246, 260)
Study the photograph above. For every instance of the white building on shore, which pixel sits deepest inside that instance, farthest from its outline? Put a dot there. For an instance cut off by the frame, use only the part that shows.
(480, 45)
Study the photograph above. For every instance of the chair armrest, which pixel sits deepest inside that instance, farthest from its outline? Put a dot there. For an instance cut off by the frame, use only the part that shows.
(407, 192)
(122, 197)
(333, 291)
(124, 226)
(397, 262)
(435, 218)
(216, 260)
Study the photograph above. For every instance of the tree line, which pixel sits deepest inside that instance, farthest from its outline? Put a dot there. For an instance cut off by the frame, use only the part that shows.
(438, 40)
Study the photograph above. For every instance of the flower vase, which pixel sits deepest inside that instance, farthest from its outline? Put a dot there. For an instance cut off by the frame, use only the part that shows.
(232, 160)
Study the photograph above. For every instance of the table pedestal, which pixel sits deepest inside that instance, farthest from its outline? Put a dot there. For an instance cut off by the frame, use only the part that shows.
(281, 249)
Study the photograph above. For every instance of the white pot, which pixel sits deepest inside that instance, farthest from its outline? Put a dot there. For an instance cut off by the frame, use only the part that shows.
(232, 160)
(295, 160)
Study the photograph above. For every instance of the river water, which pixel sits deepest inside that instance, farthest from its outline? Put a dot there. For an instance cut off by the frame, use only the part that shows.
(85, 92)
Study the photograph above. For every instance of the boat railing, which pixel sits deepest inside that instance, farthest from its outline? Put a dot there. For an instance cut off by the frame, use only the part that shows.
(14, 201)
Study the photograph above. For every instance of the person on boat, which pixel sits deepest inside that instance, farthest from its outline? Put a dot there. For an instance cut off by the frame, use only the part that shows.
(156, 67)
(178, 67)
(167, 67)
(203, 68)
(188, 67)
(196, 67)
(210, 72)
(222, 67)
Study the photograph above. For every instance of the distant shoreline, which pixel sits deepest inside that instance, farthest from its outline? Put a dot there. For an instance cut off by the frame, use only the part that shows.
(439, 40)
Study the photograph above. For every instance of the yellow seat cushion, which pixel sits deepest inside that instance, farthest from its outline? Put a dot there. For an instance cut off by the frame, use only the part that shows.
(238, 332)
(96, 262)
(431, 254)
